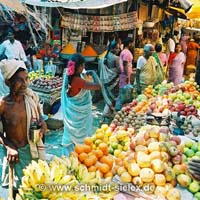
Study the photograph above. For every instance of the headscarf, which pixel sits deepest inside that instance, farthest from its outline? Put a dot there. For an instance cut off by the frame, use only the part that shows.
(9, 67)
(148, 47)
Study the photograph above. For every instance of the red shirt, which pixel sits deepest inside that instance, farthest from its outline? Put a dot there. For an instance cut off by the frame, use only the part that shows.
(76, 85)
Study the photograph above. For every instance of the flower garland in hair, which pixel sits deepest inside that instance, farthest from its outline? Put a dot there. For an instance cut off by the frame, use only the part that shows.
(70, 68)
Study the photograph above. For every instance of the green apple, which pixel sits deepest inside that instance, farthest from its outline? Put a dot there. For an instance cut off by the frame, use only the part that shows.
(187, 95)
(194, 187)
(197, 154)
(189, 153)
(185, 149)
(191, 101)
(189, 144)
(194, 147)
(197, 195)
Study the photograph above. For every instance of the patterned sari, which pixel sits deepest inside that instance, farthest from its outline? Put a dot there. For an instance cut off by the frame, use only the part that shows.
(176, 68)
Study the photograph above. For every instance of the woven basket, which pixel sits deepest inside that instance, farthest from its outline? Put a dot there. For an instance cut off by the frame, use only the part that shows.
(54, 124)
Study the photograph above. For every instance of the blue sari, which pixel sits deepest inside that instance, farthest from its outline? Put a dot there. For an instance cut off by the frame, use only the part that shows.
(77, 116)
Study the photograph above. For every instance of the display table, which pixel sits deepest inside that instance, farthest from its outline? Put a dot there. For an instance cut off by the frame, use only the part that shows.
(48, 98)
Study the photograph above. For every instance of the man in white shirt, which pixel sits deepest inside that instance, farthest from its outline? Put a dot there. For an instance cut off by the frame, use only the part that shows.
(170, 45)
(12, 49)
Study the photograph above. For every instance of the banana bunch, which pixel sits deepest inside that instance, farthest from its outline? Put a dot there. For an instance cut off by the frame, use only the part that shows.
(29, 194)
(59, 179)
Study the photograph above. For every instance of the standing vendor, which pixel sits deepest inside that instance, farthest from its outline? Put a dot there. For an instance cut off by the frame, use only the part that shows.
(18, 110)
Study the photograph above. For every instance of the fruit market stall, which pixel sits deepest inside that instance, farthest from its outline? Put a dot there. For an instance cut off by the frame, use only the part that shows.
(47, 86)
(140, 155)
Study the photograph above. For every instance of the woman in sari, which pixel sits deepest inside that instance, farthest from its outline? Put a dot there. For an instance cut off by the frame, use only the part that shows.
(158, 55)
(176, 65)
(146, 69)
(109, 76)
(125, 63)
(76, 103)
(192, 49)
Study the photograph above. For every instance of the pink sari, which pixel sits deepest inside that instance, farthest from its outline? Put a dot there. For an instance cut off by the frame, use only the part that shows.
(176, 68)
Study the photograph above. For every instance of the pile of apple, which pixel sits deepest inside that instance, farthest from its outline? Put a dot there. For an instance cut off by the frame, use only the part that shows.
(47, 84)
(191, 149)
(151, 159)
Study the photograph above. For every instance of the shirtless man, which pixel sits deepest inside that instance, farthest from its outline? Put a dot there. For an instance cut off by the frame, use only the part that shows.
(14, 117)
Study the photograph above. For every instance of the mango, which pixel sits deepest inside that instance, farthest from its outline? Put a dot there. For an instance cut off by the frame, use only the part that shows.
(159, 179)
(184, 180)
(160, 191)
(154, 146)
(147, 175)
(155, 155)
(143, 160)
(133, 169)
(169, 174)
(137, 181)
(179, 169)
(164, 156)
(126, 177)
(158, 165)
(173, 194)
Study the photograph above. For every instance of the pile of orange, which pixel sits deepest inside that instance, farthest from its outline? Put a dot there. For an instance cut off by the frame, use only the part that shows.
(148, 92)
(141, 107)
(95, 159)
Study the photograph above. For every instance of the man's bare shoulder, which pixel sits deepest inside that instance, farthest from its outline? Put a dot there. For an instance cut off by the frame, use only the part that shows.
(3, 102)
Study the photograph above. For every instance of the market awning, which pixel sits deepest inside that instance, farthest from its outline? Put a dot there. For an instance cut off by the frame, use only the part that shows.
(14, 5)
(74, 4)
(195, 10)
(176, 12)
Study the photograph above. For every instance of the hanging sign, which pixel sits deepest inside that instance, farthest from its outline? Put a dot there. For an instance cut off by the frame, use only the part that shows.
(122, 22)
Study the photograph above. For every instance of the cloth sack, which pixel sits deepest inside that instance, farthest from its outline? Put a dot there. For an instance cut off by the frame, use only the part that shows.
(126, 93)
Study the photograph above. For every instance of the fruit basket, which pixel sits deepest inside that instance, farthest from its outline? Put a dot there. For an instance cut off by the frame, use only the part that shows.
(65, 56)
(54, 124)
(44, 90)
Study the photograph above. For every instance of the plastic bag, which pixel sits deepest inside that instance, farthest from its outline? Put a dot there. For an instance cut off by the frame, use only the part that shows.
(50, 69)
(127, 93)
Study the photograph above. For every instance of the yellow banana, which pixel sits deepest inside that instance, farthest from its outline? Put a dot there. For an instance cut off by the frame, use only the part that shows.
(89, 177)
(82, 172)
(66, 179)
(46, 193)
(74, 163)
(25, 182)
(55, 174)
(67, 161)
(44, 166)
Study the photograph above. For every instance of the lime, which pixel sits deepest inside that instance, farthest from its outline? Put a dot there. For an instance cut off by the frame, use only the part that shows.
(110, 150)
(114, 145)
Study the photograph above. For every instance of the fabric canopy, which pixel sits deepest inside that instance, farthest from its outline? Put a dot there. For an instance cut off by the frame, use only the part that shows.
(75, 4)
(195, 10)
(16, 5)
